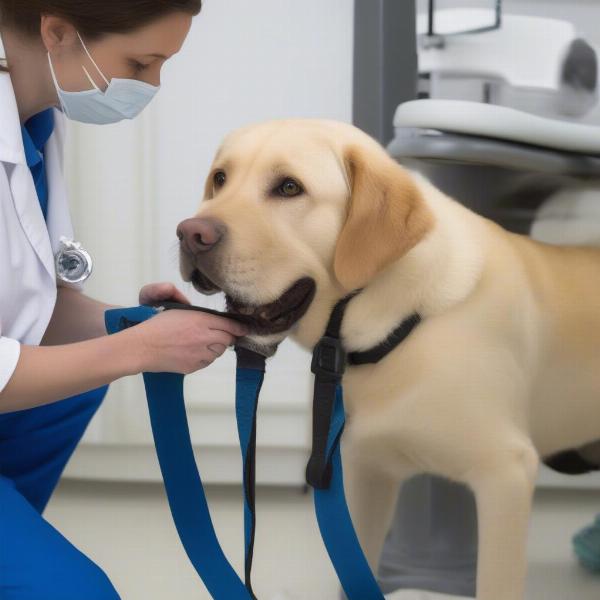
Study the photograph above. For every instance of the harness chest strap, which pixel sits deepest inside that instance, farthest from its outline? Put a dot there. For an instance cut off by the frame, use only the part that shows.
(329, 363)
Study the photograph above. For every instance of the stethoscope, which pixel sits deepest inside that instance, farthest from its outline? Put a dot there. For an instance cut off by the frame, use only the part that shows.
(73, 263)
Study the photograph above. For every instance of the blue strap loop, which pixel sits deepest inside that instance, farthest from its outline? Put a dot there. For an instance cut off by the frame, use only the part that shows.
(180, 473)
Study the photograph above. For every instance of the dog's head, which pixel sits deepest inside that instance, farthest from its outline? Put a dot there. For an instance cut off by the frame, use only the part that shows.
(297, 210)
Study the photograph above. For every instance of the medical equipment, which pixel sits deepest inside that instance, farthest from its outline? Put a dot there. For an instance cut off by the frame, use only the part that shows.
(534, 64)
(73, 263)
(506, 110)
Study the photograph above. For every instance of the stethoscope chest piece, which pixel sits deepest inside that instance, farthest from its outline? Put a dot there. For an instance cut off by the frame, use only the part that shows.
(73, 263)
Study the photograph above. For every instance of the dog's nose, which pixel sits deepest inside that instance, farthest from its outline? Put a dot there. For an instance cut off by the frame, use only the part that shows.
(200, 235)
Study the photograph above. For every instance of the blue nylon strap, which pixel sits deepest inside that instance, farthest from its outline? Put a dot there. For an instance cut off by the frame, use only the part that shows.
(180, 473)
(335, 522)
(248, 384)
(121, 318)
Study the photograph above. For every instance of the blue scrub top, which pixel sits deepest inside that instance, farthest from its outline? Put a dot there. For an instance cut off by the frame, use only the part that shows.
(36, 132)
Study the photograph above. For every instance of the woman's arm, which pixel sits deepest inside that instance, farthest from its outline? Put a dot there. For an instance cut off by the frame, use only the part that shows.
(175, 341)
(76, 317)
(47, 374)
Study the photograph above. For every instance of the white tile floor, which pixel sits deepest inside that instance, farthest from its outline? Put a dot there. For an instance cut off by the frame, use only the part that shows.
(127, 529)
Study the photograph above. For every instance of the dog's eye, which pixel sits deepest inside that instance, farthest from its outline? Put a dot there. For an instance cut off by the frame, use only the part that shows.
(219, 179)
(289, 188)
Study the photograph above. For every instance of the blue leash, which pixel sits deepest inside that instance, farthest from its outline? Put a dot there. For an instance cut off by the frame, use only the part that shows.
(335, 522)
(249, 378)
(184, 488)
(183, 485)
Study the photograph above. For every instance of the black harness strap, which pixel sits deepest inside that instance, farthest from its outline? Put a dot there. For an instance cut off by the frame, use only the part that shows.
(374, 355)
(329, 364)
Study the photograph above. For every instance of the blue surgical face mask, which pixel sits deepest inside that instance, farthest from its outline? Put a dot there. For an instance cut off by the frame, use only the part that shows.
(122, 99)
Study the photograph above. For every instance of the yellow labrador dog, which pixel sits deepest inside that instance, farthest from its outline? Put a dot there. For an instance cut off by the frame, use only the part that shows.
(504, 369)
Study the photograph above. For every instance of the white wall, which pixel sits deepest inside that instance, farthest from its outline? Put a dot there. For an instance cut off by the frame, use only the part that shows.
(246, 62)
(132, 183)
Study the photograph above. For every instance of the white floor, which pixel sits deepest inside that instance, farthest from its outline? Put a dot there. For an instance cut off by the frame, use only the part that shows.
(127, 530)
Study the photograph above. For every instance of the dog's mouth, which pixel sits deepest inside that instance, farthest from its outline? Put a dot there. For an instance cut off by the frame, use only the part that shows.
(203, 284)
(264, 319)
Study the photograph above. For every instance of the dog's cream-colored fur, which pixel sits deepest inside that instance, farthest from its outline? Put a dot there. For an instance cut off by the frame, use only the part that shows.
(504, 369)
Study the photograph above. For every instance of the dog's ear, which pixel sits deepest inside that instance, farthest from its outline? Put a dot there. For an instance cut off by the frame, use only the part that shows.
(386, 217)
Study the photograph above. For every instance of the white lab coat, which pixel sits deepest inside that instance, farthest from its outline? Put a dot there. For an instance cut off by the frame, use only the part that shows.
(27, 243)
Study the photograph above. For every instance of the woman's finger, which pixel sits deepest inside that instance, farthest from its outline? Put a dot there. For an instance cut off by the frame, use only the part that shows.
(226, 325)
(178, 296)
(155, 292)
(221, 338)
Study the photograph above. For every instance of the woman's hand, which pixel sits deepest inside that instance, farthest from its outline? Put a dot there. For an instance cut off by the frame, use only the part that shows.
(158, 292)
(176, 341)
(182, 341)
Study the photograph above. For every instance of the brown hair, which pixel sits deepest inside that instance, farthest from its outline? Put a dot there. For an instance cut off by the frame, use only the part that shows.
(92, 18)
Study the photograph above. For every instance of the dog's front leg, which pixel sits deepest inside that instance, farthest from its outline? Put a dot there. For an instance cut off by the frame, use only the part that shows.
(504, 493)
(372, 496)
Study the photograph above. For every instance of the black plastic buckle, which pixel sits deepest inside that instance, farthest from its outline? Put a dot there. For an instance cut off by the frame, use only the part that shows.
(329, 358)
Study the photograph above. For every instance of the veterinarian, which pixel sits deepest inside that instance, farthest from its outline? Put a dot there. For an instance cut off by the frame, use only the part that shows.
(97, 61)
